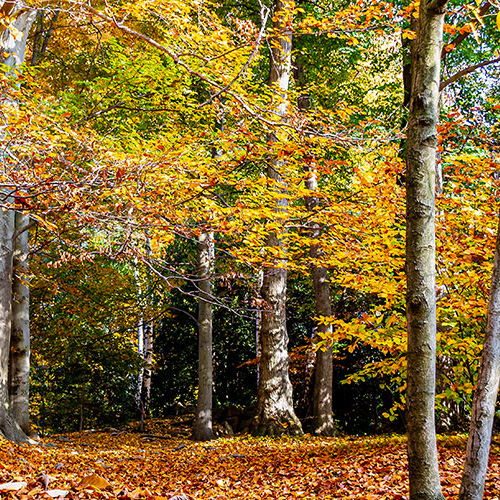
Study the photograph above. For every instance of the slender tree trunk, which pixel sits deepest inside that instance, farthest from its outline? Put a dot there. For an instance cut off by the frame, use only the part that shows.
(322, 394)
(258, 322)
(42, 36)
(148, 367)
(19, 364)
(202, 428)
(140, 352)
(322, 424)
(145, 349)
(483, 406)
(420, 252)
(82, 408)
(13, 50)
(275, 413)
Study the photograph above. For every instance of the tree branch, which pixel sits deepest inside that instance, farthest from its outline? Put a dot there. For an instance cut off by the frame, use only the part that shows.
(176, 59)
(264, 16)
(466, 71)
(21, 230)
(462, 36)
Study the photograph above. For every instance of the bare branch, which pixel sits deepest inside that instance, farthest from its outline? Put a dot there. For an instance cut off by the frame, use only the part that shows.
(466, 71)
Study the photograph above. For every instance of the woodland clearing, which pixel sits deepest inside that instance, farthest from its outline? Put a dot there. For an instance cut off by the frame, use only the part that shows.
(124, 464)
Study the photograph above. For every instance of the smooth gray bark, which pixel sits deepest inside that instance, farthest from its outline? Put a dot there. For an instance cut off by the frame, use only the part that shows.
(275, 413)
(19, 363)
(202, 428)
(420, 252)
(322, 423)
(485, 396)
(148, 366)
(8, 425)
(13, 50)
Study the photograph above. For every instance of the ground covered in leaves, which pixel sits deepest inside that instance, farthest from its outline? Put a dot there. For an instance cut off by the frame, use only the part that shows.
(165, 464)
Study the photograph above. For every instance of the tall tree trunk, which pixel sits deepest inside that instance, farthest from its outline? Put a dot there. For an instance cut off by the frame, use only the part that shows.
(275, 413)
(420, 252)
(82, 408)
(322, 394)
(148, 367)
(140, 350)
(145, 346)
(19, 364)
(13, 50)
(8, 425)
(483, 406)
(258, 322)
(322, 424)
(202, 428)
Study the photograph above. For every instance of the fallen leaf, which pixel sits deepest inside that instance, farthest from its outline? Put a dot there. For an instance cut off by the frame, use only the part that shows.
(13, 486)
(57, 493)
(95, 481)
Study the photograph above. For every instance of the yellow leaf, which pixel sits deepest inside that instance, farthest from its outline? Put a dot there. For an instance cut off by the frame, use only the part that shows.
(95, 481)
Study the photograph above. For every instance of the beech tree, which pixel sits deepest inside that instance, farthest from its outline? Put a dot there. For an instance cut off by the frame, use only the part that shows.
(420, 251)
(19, 362)
(202, 428)
(146, 349)
(275, 412)
(323, 423)
(12, 47)
(485, 397)
(322, 416)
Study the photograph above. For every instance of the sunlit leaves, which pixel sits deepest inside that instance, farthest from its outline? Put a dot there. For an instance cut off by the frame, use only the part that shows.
(240, 468)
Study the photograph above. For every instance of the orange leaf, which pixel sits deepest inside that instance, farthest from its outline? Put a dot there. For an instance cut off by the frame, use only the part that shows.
(95, 481)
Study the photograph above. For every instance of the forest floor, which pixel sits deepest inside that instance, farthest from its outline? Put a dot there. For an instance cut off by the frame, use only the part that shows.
(127, 465)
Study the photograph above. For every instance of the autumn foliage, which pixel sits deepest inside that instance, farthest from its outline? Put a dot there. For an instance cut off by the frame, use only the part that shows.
(123, 464)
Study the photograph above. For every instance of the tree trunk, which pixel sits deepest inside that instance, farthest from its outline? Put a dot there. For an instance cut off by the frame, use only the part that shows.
(19, 364)
(275, 413)
(258, 321)
(148, 367)
(8, 425)
(202, 428)
(140, 351)
(483, 406)
(420, 252)
(82, 408)
(322, 394)
(13, 50)
(145, 350)
(322, 424)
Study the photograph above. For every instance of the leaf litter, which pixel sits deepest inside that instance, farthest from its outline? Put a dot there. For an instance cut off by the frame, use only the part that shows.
(121, 465)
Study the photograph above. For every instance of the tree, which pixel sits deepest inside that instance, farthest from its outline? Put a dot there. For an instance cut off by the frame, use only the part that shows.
(147, 369)
(323, 423)
(13, 46)
(19, 362)
(275, 413)
(420, 251)
(202, 429)
(485, 397)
